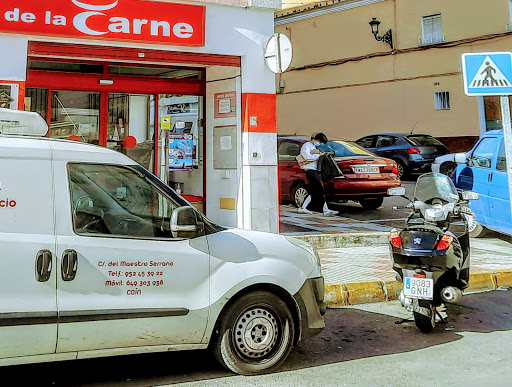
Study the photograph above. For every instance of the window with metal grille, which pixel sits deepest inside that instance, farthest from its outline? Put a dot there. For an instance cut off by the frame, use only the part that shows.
(432, 29)
(442, 100)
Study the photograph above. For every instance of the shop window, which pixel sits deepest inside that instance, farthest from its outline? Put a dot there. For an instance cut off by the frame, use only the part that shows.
(432, 30)
(442, 100)
(70, 67)
(492, 107)
(36, 100)
(75, 114)
(161, 72)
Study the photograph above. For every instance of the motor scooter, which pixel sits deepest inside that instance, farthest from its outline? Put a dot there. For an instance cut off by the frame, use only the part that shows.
(431, 255)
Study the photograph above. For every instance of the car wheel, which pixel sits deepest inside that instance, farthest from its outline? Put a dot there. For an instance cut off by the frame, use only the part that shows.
(447, 168)
(475, 229)
(299, 194)
(402, 170)
(371, 204)
(255, 334)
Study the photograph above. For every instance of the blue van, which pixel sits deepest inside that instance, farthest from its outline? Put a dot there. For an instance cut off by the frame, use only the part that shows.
(485, 172)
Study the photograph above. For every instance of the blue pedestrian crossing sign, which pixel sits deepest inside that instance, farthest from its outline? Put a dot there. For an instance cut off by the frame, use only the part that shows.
(487, 73)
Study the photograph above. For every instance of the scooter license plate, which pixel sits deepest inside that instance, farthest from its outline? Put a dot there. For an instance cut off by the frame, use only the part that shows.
(421, 288)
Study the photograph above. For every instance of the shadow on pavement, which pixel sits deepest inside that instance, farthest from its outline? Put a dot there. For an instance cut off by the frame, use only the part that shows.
(350, 334)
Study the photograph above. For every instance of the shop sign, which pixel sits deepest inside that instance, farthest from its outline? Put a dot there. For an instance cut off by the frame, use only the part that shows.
(123, 20)
(225, 104)
(5, 100)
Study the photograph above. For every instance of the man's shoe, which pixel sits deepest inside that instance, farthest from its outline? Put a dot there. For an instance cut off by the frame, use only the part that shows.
(304, 211)
(330, 212)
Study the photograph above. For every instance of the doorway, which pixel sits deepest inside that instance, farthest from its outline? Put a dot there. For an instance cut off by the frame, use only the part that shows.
(125, 107)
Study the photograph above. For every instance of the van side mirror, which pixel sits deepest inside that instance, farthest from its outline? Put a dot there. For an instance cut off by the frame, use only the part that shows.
(470, 195)
(396, 191)
(460, 158)
(185, 223)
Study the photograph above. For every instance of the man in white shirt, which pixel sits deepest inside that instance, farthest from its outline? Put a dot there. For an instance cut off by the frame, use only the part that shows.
(316, 200)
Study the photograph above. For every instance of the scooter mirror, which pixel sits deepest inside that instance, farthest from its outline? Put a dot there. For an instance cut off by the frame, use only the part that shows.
(470, 195)
(460, 158)
(396, 191)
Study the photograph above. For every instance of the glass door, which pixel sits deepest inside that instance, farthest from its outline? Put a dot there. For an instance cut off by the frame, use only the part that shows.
(131, 126)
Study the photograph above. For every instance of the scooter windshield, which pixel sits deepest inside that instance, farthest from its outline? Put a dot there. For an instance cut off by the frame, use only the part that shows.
(435, 185)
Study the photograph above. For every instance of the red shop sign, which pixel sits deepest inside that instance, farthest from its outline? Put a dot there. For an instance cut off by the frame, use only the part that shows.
(124, 20)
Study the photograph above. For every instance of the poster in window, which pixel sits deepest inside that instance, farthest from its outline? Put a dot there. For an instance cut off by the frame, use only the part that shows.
(181, 151)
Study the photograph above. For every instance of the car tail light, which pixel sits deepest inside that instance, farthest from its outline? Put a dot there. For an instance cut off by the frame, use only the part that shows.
(394, 237)
(413, 151)
(445, 242)
(419, 275)
(395, 169)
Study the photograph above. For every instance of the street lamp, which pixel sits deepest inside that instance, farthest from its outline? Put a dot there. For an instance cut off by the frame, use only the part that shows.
(386, 38)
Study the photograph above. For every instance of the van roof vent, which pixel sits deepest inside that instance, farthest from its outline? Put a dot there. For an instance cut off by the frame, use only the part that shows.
(22, 123)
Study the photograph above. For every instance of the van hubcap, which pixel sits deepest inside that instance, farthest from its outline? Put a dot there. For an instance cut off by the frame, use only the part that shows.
(256, 333)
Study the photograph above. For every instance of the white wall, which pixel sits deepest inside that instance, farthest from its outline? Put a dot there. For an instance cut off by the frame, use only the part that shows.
(13, 62)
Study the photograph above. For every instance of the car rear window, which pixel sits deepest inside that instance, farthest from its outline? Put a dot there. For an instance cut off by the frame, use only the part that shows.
(421, 140)
(344, 149)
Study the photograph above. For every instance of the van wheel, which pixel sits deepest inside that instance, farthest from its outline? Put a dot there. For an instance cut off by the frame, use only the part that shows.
(299, 194)
(371, 204)
(475, 229)
(447, 168)
(255, 334)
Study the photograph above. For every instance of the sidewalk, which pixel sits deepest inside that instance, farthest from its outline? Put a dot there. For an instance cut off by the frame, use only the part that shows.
(361, 272)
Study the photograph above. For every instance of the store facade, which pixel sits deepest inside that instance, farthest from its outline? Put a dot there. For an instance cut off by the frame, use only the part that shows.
(180, 87)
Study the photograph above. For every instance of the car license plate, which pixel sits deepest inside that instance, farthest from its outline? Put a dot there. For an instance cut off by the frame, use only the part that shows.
(421, 288)
(366, 169)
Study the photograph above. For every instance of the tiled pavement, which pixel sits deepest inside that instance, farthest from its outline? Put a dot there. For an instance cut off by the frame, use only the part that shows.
(295, 223)
(371, 263)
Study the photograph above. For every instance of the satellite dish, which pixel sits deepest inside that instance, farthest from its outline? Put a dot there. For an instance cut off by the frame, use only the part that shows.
(278, 53)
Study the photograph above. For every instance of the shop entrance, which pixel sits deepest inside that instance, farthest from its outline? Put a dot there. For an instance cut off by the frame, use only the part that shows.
(153, 114)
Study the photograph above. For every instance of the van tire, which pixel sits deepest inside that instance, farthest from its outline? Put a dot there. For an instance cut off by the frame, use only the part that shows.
(447, 168)
(255, 335)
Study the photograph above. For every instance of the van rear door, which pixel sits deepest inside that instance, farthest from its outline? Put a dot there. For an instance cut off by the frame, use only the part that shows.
(28, 307)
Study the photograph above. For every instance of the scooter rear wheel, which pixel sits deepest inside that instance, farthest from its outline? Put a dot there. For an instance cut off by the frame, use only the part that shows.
(424, 323)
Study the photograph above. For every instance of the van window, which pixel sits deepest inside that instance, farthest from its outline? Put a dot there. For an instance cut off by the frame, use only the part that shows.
(484, 153)
(501, 164)
(115, 200)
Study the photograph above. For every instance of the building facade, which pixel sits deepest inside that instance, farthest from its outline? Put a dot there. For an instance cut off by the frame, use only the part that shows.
(348, 84)
(179, 86)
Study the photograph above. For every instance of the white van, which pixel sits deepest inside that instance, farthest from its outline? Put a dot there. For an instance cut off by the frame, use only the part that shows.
(101, 258)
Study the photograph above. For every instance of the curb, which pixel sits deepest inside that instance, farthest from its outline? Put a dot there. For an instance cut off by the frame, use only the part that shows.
(331, 241)
(337, 295)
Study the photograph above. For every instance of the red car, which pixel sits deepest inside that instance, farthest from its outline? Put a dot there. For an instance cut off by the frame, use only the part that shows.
(366, 176)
